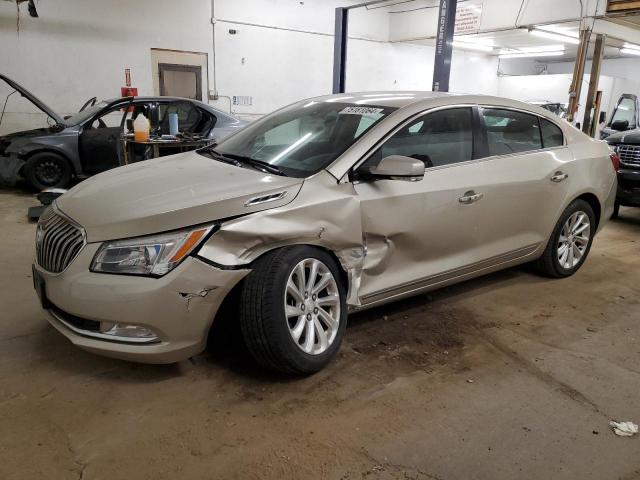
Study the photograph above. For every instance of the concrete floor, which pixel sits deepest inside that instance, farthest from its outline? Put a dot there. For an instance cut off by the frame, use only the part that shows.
(511, 376)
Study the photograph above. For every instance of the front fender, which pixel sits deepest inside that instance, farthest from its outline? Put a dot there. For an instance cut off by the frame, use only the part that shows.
(324, 214)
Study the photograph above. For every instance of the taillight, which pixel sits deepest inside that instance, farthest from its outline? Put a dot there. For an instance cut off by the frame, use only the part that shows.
(615, 160)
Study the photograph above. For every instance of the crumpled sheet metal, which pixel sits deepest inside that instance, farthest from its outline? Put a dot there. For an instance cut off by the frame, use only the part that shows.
(326, 215)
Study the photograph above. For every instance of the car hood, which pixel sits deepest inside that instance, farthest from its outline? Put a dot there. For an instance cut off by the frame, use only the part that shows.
(33, 99)
(628, 136)
(170, 193)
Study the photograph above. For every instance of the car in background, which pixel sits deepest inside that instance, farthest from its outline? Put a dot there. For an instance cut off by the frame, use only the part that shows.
(560, 109)
(332, 204)
(89, 141)
(624, 117)
(627, 146)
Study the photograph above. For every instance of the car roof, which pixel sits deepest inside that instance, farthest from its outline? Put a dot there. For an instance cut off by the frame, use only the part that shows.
(201, 104)
(424, 100)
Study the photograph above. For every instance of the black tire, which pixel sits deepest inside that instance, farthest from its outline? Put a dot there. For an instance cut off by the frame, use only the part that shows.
(263, 323)
(616, 211)
(47, 170)
(549, 263)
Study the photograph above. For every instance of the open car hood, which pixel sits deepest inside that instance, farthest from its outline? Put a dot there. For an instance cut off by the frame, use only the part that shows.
(33, 99)
(170, 193)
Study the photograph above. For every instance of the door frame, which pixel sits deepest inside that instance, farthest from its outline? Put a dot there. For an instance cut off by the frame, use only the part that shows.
(175, 67)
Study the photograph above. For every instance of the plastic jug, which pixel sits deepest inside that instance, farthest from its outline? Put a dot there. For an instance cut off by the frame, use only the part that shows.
(141, 127)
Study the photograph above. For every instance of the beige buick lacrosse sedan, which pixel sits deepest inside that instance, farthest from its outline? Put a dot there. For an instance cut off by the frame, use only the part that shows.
(330, 205)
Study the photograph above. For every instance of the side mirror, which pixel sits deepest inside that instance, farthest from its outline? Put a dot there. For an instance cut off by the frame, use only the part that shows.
(602, 118)
(620, 125)
(398, 167)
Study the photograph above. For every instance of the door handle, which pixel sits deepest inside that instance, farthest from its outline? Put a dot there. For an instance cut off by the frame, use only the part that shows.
(470, 197)
(558, 177)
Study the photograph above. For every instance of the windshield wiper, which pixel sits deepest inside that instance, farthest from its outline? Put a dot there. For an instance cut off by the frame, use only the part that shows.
(241, 160)
(260, 164)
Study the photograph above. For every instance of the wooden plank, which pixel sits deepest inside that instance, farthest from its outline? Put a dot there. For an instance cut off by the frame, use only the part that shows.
(623, 5)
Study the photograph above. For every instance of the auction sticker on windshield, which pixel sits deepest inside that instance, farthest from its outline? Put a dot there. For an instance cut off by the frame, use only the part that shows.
(360, 111)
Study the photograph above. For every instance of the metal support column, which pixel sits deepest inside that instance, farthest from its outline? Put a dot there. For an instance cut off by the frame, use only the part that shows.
(578, 74)
(591, 114)
(444, 45)
(340, 50)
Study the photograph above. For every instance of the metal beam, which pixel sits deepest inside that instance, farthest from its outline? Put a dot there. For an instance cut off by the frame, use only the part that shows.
(340, 50)
(591, 114)
(444, 45)
(578, 74)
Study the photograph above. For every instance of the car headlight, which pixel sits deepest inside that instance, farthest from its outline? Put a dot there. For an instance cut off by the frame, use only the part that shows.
(153, 255)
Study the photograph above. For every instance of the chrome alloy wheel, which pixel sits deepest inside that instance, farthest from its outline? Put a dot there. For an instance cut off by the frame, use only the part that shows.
(574, 239)
(312, 306)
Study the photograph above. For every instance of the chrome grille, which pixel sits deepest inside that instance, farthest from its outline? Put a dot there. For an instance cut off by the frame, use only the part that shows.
(629, 154)
(58, 241)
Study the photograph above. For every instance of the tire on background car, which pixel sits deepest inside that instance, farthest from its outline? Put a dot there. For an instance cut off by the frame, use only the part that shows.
(570, 241)
(616, 211)
(293, 311)
(47, 170)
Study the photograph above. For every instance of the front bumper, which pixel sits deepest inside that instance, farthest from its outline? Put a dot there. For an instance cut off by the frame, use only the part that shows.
(628, 187)
(179, 307)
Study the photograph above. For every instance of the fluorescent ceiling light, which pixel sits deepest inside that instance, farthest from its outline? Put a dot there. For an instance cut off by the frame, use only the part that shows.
(631, 46)
(488, 41)
(532, 54)
(630, 51)
(472, 46)
(543, 48)
(555, 36)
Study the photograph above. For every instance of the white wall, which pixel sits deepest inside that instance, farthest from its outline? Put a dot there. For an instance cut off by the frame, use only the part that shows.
(282, 52)
(78, 49)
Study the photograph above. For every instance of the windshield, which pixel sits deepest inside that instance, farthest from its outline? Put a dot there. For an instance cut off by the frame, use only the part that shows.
(85, 114)
(625, 112)
(303, 139)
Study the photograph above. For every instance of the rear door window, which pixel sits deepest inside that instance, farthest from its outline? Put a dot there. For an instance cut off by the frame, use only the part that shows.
(190, 117)
(510, 131)
(551, 134)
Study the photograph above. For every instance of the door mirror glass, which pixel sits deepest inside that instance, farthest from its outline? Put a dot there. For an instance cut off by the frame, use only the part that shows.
(398, 167)
(620, 125)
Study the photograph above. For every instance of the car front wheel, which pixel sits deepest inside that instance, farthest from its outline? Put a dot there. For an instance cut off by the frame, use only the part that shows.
(47, 170)
(570, 241)
(293, 312)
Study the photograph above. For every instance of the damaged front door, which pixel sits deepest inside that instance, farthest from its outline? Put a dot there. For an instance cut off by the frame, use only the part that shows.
(415, 231)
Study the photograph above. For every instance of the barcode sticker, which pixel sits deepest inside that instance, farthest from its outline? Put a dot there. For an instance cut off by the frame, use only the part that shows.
(361, 111)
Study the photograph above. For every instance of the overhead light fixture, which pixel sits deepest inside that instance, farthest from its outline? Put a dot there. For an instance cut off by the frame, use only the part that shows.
(543, 48)
(631, 46)
(532, 54)
(472, 46)
(630, 51)
(559, 37)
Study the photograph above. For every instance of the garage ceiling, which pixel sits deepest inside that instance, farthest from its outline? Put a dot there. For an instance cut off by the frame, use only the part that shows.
(524, 40)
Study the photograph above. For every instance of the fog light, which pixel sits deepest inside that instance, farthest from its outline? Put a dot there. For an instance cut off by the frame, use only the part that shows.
(129, 332)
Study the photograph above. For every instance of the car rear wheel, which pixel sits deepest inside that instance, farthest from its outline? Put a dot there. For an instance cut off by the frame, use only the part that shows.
(293, 312)
(570, 241)
(47, 170)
